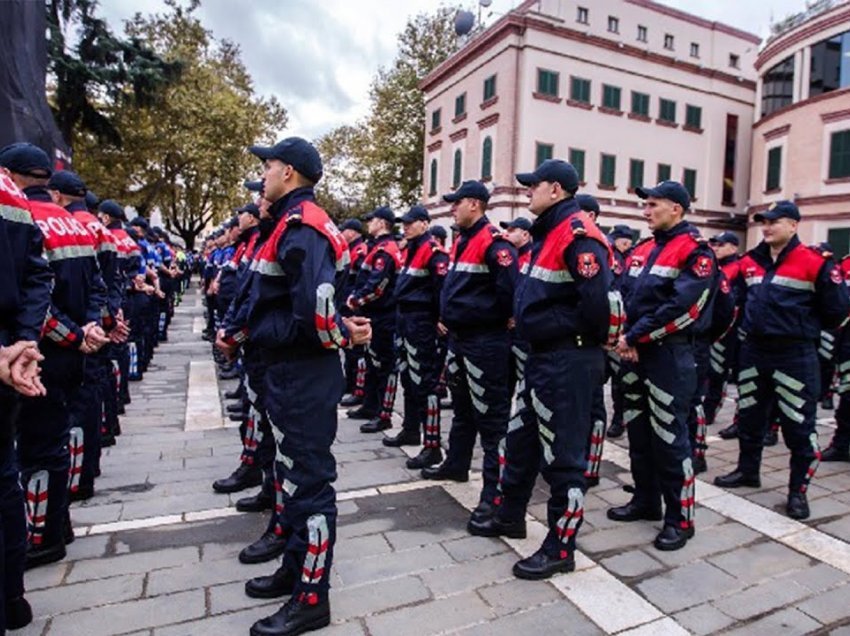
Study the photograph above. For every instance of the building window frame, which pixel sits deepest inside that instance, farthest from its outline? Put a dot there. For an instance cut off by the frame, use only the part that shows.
(640, 105)
(489, 91)
(773, 169)
(548, 82)
(460, 105)
(434, 174)
(583, 15)
(642, 33)
(542, 152)
(457, 168)
(666, 110)
(607, 171)
(689, 180)
(838, 159)
(613, 24)
(693, 117)
(436, 115)
(577, 157)
(487, 158)
(612, 97)
(580, 90)
(734, 60)
(664, 172)
(695, 50)
(669, 42)
(636, 173)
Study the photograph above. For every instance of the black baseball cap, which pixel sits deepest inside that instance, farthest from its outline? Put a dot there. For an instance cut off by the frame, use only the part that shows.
(670, 190)
(553, 171)
(382, 212)
(253, 186)
(468, 190)
(725, 237)
(250, 208)
(416, 213)
(27, 159)
(110, 207)
(439, 231)
(91, 200)
(295, 151)
(520, 222)
(141, 222)
(621, 231)
(779, 210)
(588, 203)
(352, 224)
(67, 182)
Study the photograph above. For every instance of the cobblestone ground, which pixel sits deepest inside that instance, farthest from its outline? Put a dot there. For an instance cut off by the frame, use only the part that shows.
(156, 548)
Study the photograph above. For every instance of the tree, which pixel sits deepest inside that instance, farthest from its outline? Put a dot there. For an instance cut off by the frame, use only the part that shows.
(385, 163)
(186, 154)
(101, 68)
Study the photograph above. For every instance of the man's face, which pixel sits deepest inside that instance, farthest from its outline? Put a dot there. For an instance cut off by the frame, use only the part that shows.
(414, 229)
(246, 221)
(276, 175)
(376, 227)
(722, 250)
(661, 214)
(350, 235)
(264, 204)
(517, 236)
(623, 245)
(542, 195)
(777, 233)
(466, 212)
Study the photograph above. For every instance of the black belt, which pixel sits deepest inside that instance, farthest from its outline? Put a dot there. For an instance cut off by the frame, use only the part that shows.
(678, 338)
(778, 341)
(567, 342)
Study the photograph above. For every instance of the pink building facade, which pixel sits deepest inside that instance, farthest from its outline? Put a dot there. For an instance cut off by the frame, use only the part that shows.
(801, 136)
(630, 91)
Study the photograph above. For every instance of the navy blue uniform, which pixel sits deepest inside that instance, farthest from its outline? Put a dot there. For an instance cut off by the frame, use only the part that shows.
(666, 291)
(787, 303)
(293, 321)
(563, 310)
(839, 447)
(723, 363)
(355, 362)
(476, 304)
(25, 283)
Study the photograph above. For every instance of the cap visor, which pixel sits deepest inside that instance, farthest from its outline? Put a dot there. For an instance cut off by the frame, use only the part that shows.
(451, 197)
(765, 216)
(645, 193)
(527, 178)
(262, 152)
(505, 225)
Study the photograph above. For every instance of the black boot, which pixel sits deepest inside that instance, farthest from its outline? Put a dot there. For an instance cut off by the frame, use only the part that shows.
(405, 438)
(616, 430)
(256, 503)
(541, 566)
(672, 538)
(699, 464)
(230, 374)
(834, 454)
(444, 472)
(376, 425)
(494, 527)
(737, 479)
(294, 618)
(798, 506)
(633, 511)
(771, 438)
(243, 477)
(267, 547)
(235, 394)
(43, 555)
(235, 408)
(281, 583)
(350, 400)
(18, 613)
(360, 413)
(426, 457)
(730, 432)
(83, 493)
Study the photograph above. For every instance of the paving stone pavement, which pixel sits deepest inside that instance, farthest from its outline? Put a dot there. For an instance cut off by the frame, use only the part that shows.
(156, 548)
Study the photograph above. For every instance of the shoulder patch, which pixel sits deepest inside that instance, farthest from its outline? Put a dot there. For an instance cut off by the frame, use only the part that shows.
(702, 266)
(504, 257)
(588, 266)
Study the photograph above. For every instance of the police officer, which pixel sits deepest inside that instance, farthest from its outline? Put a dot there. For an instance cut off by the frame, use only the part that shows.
(374, 297)
(355, 362)
(418, 287)
(476, 305)
(25, 284)
(562, 309)
(792, 293)
(440, 235)
(293, 320)
(71, 331)
(621, 239)
(518, 232)
(667, 290)
(839, 447)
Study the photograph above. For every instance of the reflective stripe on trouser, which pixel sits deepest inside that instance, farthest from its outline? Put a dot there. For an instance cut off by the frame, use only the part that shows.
(659, 389)
(841, 439)
(723, 363)
(789, 377)
(353, 361)
(481, 400)
(597, 433)
(379, 362)
(301, 398)
(420, 374)
(826, 361)
(45, 461)
(696, 418)
(549, 433)
(85, 412)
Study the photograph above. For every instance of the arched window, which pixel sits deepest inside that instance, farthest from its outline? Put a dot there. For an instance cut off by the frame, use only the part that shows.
(487, 158)
(458, 164)
(432, 189)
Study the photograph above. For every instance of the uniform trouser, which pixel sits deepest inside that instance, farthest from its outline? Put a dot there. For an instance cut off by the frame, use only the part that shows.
(13, 523)
(257, 438)
(379, 361)
(696, 418)
(615, 372)
(658, 390)
(420, 374)
(136, 345)
(841, 439)
(826, 360)
(301, 397)
(85, 406)
(151, 315)
(44, 457)
(442, 363)
(111, 386)
(355, 363)
(482, 403)
(549, 435)
(596, 435)
(723, 366)
(211, 322)
(519, 358)
(782, 380)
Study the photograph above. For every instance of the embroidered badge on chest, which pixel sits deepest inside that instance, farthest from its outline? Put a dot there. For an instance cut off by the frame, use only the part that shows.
(504, 258)
(588, 266)
(442, 268)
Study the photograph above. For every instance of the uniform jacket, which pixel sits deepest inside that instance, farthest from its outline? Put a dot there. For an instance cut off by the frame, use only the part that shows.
(524, 257)
(565, 293)
(421, 277)
(479, 288)
(668, 284)
(795, 297)
(25, 277)
(374, 289)
(357, 251)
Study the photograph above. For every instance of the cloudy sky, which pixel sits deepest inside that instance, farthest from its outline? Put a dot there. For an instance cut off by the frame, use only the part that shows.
(319, 56)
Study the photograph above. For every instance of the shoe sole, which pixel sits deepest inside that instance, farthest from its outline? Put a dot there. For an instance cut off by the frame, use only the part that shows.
(533, 576)
(641, 518)
(246, 509)
(508, 535)
(309, 627)
(460, 480)
(741, 485)
(421, 466)
(228, 491)
(670, 547)
(251, 594)
(263, 559)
